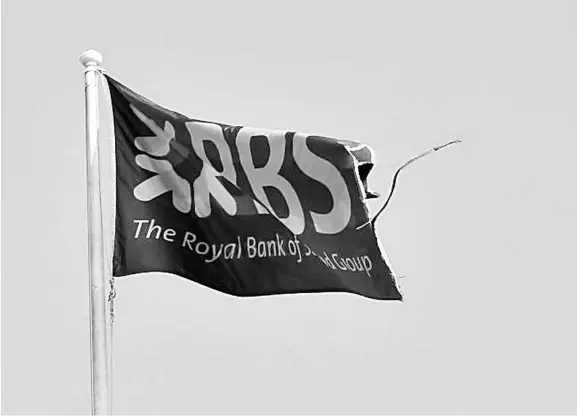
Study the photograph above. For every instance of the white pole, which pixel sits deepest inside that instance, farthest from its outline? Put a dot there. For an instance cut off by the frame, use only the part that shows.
(98, 354)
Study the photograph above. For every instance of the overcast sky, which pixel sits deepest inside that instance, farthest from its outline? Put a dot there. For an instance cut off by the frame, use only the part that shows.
(485, 232)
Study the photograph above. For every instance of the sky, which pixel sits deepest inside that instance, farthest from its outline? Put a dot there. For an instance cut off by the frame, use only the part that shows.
(484, 233)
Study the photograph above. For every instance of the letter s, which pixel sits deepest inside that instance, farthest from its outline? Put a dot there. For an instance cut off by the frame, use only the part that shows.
(326, 173)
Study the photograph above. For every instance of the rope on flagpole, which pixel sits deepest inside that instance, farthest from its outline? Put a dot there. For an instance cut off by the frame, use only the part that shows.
(394, 184)
(109, 240)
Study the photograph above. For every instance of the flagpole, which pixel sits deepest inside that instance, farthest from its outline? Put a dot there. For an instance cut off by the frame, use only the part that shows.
(98, 354)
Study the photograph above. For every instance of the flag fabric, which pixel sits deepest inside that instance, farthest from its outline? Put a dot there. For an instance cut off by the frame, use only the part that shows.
(244, 211)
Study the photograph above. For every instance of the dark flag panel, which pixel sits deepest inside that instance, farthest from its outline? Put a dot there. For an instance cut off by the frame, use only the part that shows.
(245, 211)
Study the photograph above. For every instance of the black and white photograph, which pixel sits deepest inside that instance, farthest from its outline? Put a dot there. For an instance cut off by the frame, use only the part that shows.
(289, 208)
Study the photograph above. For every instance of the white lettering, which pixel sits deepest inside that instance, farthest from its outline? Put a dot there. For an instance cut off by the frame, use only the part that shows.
(341, 265)
(271, 247)
(280, 243)
(167, 180)
(207, 182)
(367, 264)
(153, 228)
(205, 249)
(157, 145)
(168, 234)
(321, 170)
(292, 248)
(350, 264)
(138, 227)
(229, 251)
(298, 249)
(215, 254)
(189, 238)
(251, 247)
(268, 175)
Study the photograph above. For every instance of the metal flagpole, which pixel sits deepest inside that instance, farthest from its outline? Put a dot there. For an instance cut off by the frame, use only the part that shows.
(98, 354)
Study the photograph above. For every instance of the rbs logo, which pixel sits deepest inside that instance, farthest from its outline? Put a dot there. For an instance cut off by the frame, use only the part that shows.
(167, 180)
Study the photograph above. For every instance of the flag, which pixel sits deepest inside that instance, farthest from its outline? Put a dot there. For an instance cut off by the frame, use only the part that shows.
(244, 211)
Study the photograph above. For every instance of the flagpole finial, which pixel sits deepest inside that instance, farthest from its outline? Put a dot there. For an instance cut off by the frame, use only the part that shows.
(90, 58)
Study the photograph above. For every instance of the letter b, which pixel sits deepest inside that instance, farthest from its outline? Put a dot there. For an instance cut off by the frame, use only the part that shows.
(268, 175)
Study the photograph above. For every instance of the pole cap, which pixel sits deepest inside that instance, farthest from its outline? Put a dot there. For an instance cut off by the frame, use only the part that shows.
(90, 58)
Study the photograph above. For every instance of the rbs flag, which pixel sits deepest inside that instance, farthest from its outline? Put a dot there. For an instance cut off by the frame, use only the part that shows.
(244, 211)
